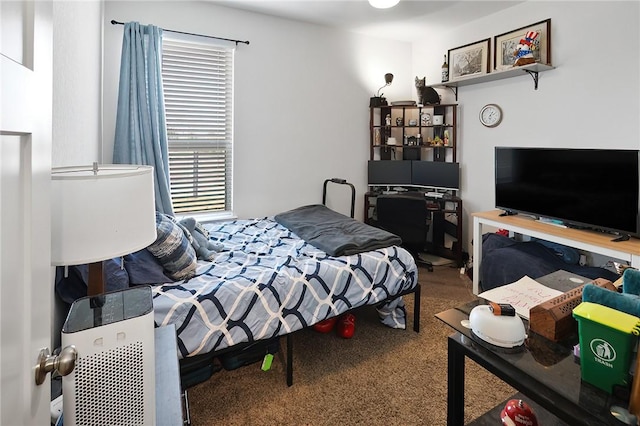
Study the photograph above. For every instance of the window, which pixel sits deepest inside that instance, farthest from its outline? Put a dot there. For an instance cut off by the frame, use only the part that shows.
(198, 95)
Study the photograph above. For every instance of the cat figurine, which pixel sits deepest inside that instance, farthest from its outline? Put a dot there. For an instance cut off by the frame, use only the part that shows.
(426, 95)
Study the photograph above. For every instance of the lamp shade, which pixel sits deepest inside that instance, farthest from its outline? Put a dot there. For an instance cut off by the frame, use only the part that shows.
(99, 213)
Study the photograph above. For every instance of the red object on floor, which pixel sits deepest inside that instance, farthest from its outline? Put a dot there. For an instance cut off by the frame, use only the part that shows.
(503, 232)
(346, 326)
(325, 326)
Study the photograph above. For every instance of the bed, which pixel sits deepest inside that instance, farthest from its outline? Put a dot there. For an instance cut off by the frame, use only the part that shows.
(268, 282)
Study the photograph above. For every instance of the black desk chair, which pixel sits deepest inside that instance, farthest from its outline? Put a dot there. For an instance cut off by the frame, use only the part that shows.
(406, 216)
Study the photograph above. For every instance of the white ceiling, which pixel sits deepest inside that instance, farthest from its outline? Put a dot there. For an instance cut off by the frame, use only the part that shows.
(408, 21)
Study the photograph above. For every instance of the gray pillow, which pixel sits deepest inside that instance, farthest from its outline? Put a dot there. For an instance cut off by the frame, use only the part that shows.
(173, 249)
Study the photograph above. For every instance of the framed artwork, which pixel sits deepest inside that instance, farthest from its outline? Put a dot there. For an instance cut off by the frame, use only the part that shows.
(472, 59)
(535, 39)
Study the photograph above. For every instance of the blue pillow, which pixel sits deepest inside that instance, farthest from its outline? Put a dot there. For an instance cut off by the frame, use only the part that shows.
(74, 285)
(144, 268)
(173, 249)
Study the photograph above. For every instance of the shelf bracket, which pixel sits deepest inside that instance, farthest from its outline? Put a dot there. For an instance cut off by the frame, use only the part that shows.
(534, 76)
(454, 89)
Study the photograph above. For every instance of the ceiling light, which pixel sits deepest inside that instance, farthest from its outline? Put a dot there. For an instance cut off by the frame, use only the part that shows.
(383, 4)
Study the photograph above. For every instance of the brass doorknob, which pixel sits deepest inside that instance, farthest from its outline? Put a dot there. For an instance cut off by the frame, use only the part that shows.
(63, 363)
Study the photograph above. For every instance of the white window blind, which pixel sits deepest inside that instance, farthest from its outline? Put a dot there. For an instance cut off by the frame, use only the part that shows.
(198, 83)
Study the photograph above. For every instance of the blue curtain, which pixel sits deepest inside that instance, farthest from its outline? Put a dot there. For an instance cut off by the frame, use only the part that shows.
(141, 131)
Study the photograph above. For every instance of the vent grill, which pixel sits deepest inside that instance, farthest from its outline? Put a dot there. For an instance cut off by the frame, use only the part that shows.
(109, 387)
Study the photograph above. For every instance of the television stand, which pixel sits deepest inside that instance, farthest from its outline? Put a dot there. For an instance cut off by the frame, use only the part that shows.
(626, 250)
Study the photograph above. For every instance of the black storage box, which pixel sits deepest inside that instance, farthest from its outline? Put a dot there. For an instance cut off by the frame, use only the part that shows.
(411, 153)
(385, 153)
(197, 369)
(250, 354)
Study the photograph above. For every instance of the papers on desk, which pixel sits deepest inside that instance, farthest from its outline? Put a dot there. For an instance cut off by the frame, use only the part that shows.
(523, 295)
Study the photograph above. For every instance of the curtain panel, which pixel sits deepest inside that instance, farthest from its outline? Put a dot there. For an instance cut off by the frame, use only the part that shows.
(141, 131)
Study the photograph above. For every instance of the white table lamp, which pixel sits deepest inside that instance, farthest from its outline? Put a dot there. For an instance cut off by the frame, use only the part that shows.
(98, 213)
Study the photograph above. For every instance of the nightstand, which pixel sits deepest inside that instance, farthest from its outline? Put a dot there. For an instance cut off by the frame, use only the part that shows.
(168, 389)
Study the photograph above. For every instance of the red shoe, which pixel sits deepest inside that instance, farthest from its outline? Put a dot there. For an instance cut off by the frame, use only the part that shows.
(325, 326)
(346, 326)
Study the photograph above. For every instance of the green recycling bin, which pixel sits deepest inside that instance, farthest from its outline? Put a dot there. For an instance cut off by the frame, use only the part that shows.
(607, 341)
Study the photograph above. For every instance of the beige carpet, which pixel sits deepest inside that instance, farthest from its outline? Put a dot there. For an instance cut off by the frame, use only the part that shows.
(381, 376)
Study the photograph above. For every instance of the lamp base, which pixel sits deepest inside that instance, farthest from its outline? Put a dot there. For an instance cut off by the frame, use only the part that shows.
(95, 285)
(377, 101)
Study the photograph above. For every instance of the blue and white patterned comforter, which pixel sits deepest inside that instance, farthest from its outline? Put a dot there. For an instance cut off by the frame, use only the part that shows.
(267, 282)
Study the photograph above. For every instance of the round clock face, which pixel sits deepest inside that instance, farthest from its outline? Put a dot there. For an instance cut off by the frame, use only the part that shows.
(490, 115)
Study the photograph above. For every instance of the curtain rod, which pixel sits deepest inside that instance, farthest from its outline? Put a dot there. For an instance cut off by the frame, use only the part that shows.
(114, 22)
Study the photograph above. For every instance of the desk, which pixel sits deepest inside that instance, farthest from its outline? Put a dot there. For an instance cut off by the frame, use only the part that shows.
(543, 371)
(591, 241)
(446, 220)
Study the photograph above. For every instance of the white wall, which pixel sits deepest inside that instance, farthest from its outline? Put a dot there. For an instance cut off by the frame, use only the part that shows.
(77, 70)
(590, 100)
(302, 92)
(301, 97)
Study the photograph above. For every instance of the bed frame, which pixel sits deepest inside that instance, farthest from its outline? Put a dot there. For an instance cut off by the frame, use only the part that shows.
(203, 363)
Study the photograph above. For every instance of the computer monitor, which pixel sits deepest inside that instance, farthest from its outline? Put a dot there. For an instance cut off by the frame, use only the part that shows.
(435, 174)
(389, 172)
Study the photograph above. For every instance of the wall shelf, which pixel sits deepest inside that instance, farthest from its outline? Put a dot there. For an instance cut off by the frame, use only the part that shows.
(531, 69)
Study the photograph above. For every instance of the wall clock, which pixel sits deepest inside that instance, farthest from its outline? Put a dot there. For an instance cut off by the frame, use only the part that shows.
(490, 115)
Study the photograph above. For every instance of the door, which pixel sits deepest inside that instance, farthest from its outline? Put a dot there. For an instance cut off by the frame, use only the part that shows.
(26, 285)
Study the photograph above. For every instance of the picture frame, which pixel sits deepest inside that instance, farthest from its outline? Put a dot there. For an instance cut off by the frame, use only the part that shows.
(504, 45)
(470, 60)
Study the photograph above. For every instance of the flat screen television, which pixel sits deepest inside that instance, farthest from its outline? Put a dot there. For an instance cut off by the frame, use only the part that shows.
(436, 175)
(584, 188)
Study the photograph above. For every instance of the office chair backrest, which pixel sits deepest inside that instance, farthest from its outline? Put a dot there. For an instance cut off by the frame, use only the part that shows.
(406, 216)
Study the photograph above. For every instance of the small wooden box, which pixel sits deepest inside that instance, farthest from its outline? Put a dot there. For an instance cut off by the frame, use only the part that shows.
(553, 320)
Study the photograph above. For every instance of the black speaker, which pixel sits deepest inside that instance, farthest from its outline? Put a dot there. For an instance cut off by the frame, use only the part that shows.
(438, 228)
(439, 153)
